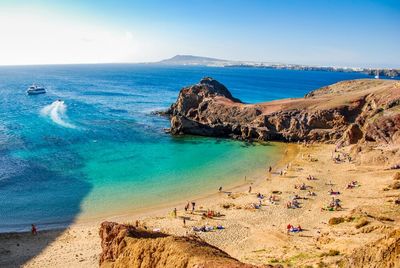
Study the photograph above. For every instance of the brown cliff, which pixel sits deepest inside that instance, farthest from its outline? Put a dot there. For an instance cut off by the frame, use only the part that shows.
(127, 246)
(385, 252)
(347, 112)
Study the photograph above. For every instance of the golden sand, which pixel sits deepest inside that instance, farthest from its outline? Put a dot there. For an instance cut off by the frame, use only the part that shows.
(257, 236)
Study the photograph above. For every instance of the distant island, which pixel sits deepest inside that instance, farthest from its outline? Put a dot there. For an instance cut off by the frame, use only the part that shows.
(191, 60)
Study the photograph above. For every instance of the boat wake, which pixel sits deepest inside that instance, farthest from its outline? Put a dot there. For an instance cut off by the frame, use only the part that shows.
(56, 112)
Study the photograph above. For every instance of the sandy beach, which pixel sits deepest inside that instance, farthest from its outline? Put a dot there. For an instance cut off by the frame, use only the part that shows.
(257, 236)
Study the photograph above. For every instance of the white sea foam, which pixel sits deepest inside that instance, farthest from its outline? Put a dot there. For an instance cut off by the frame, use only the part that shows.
(56, 112)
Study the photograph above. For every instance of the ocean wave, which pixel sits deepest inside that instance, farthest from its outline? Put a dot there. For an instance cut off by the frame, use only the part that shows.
(56, 112)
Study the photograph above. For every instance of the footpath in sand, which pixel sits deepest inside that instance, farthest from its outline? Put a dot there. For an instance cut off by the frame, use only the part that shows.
(255, 235)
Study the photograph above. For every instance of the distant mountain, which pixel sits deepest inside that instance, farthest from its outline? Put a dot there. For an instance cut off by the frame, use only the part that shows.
(206, 61)
(194, 60)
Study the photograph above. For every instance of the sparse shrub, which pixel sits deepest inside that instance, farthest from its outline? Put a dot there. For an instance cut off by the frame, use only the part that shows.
(336, 220)
(228, 205)
(395, 185)
(333, 252)
(384, 218)
(330, 253)
(362, 223)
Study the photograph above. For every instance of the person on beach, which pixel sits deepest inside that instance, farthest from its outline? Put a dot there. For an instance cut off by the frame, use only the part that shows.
(187, 207)
(33, 230)
(288, 227)
(270, 169)
(303, 186)
(249, 189)
(332, 192)
(220, 189)
(291, 228)
(175, 212)
(193, 206)
(137, 223)
(311, 193)
(352, 184)
(184, 222)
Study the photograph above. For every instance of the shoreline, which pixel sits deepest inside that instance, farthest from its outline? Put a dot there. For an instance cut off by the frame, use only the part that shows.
(56, 236)
(255, 236)
(253, 178)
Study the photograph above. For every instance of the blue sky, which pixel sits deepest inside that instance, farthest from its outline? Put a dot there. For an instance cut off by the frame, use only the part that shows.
(340, 33)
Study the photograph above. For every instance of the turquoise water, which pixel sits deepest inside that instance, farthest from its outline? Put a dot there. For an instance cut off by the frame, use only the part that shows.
(101, 152)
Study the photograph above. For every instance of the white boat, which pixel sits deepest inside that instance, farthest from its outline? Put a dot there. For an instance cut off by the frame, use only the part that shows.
(34, 90)
(377, 74)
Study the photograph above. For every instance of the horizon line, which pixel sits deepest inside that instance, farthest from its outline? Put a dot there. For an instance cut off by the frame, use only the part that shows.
(159, 61)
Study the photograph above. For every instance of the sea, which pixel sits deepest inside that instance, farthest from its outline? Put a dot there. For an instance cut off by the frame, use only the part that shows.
(92, 148)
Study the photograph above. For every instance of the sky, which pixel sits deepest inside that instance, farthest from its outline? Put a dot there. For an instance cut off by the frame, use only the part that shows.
(312, 32)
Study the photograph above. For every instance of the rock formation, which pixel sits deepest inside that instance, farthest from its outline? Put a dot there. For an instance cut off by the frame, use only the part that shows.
(346, 113)
(385, 252)
(127, 246)
(364, 113)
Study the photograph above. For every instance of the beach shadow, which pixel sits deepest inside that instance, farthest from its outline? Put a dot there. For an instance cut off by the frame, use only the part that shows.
(226, 192)
(36, 195)
(18, 248)
(187, 218)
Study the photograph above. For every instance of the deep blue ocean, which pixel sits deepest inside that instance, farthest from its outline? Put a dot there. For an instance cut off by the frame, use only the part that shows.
(101, 151)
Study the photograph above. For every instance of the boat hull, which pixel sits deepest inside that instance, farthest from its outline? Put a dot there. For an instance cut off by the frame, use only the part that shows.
(36, 92)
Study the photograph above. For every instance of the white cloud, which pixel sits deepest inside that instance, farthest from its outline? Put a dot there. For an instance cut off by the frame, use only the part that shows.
(39, 38)
(129, 35)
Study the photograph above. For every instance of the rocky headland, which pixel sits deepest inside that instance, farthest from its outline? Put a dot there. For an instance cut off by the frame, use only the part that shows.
(356, 112)
(346, 112)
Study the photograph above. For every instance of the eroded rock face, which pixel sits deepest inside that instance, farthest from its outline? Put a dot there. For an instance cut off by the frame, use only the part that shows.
(346, 113)
(126, 246)
(384, 252)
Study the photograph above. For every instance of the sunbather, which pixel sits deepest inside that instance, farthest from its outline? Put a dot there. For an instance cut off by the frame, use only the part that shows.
(332, 192)
(311, 193)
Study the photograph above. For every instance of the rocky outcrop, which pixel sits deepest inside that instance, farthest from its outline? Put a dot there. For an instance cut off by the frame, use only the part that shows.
(384, 252)
(127, 246)
(346, 113)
